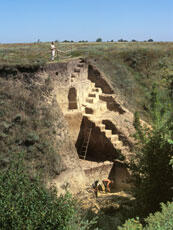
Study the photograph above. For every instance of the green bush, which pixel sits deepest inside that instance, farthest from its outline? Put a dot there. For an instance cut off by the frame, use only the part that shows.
(99, 40)
(26, 204)
(152, 171)
(158, 221)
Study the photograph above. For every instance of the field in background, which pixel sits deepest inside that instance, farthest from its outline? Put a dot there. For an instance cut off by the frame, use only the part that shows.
(131, 67)
(32, 53)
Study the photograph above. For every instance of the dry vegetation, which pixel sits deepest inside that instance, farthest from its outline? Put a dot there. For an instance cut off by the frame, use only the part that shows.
(28, 124)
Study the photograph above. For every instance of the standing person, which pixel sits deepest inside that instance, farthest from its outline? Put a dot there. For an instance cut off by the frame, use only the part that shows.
(53, 49)
(107, 183)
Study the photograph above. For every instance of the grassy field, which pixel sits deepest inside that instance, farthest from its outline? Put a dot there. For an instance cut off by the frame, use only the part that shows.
(131, 67)
(31, 53)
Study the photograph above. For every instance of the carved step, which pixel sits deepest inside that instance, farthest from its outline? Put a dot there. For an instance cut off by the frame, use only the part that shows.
(81, 61)
(89, 100)
(77, 70)
(80, 65)
(92, 100)
(98, 90)
(91, 95)
(98, 122)
(114, 137)
(73, 75)
(118, 144)
(108, 132)
(92, 84)
(102, 127)
(89, 110)
(96, 95)
(97, 107)
(89, 116)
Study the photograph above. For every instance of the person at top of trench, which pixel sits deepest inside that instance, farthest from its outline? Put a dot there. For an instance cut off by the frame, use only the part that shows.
(53, 50)
(107, 184)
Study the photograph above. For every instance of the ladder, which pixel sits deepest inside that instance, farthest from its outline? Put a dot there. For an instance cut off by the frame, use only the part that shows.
(85, 144)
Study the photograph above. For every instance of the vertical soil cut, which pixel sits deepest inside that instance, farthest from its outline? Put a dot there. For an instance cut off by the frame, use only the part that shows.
(72, 98)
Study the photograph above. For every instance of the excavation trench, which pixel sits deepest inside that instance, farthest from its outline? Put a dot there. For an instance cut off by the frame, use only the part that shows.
(96, 150)
(99, 147)
(100, 157)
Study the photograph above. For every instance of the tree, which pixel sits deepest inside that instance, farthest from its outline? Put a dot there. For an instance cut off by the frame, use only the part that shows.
(27, 204)
(150, 40)
(99, 40)
(121, 40)
(158, 221)
(152, 171)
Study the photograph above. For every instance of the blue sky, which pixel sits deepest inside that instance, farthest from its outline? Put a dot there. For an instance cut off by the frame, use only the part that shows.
(48, 20)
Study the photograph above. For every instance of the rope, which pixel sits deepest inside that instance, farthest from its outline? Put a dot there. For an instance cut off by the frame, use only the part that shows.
(65, 51)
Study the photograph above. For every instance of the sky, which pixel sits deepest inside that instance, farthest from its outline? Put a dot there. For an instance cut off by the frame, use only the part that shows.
(49, 20)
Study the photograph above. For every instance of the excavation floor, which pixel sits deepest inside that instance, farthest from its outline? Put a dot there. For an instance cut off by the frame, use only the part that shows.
(108, 202)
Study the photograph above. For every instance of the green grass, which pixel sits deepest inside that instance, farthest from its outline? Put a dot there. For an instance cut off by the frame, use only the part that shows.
(29, 53)
(132, 68)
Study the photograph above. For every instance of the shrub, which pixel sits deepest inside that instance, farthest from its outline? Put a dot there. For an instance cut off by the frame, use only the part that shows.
(152, 171)
(99, 40)
(26, 204)
(158, 221)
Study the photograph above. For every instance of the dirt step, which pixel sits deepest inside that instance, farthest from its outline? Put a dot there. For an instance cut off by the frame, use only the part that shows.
(77, 70)
(98, 90)
(88, 116)
(89, 110)
(89, 100)
(94, 94)
(80, 65)
(92, 84)
(73, 75)
(97, 107)
(97, 122)
(92, 100)
(118, 144)
(91, 95)
(102, 127)
(108, 132)
(82, 61)
(114, 138)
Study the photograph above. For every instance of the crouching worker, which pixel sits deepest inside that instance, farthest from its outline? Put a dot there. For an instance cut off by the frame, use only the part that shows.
(107, 183)
(95, 187)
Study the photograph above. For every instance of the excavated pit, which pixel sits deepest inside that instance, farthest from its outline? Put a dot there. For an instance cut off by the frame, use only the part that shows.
(72, 98)
(99, 159)
(100, 148)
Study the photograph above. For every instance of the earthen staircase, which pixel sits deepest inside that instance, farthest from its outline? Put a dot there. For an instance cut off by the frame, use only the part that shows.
(76, 72)
(94, 108)
(94, 111)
